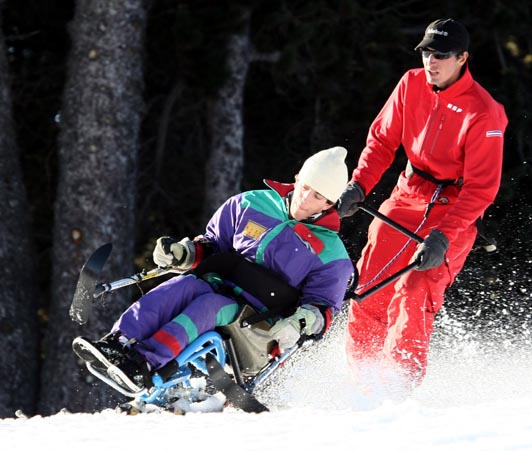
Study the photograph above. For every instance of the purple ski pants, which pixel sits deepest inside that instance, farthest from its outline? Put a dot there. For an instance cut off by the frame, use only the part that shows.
(166, 319)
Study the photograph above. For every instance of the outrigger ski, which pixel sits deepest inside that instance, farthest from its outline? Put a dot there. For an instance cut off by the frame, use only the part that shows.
(89, 275)
(88, 289)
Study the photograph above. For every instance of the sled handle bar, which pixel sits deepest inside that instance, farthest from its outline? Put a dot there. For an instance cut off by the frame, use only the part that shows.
(373, 212)
(103, 288)
(385, 282)
(396, 275)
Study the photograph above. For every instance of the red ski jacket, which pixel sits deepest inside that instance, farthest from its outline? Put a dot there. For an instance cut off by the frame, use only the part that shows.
(454, 134)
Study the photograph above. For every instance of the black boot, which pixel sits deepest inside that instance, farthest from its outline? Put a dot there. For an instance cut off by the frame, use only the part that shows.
(101, 354)
(122, 364)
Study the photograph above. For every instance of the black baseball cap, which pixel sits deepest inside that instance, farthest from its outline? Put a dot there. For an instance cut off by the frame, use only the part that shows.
(445, 35)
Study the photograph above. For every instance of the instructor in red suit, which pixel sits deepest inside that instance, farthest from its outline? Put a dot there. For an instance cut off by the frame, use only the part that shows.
(452, 132)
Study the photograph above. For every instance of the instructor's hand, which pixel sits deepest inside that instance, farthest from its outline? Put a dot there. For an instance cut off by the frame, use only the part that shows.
(431, 252)
(349, 200)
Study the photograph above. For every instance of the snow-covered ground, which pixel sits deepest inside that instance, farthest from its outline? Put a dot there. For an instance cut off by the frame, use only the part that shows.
(475, 397)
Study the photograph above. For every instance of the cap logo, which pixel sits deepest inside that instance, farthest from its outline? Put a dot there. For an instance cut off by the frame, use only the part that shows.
(436, 31)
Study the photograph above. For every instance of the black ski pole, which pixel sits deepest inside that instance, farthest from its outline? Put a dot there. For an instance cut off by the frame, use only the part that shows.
(389, 221)
(395, 276)
(385, 282)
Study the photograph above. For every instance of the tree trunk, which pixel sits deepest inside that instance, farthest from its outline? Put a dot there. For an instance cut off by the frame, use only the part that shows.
(224, 166)
(19, 358)
(95, 202)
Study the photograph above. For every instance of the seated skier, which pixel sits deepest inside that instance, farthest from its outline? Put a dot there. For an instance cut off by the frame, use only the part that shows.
(289, 230)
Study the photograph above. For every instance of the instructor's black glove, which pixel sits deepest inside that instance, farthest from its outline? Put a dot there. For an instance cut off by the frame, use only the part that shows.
(431, 252)
(349, 200)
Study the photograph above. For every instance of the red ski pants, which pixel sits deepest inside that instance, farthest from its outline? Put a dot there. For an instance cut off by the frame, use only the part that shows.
(397, 321)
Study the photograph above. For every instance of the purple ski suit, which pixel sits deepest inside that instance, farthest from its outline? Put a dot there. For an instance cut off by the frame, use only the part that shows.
(308, 255)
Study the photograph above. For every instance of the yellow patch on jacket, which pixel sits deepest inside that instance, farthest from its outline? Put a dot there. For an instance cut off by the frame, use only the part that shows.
(254, 230)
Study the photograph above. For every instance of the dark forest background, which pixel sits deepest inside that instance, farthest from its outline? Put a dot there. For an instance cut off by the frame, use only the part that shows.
(127, 120)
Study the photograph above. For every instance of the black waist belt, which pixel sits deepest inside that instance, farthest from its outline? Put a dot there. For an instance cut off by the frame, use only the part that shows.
(411, 169)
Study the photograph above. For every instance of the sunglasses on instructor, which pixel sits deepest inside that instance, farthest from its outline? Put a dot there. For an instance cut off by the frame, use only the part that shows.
(437, 55)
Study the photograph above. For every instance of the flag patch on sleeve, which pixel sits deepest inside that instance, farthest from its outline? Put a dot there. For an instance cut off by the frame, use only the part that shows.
(493, 133)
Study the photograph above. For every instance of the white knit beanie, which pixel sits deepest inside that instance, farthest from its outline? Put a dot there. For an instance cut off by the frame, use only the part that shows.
(326, 172)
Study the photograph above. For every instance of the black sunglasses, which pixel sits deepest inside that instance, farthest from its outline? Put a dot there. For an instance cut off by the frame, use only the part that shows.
(437, 55)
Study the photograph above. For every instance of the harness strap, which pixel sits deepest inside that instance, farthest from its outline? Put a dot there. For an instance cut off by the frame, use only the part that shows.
(264, 284)
(262, 316)
(489, 243)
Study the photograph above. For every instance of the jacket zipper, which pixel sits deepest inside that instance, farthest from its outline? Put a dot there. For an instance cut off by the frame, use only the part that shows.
(431, 123)
(437, 135)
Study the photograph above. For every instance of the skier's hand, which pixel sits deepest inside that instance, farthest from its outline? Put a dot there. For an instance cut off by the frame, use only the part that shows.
(352, 195)
(431, 252)
(179, 254)
(306, 320)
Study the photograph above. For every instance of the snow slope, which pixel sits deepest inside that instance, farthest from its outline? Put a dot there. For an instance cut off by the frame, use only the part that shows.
(473, 398)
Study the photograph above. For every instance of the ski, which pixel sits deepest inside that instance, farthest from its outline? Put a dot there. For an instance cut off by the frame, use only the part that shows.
(234, 393)
(81, 306)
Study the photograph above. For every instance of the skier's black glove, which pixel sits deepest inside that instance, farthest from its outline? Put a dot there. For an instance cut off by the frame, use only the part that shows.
(431, 252)
(352, 195)
(179, 254)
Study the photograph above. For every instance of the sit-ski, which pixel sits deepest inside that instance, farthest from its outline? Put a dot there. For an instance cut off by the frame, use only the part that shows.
(236, 358)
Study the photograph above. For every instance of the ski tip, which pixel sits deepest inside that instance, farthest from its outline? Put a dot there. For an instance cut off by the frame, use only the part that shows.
(77, 317)
(80, 308)
(99, 257)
